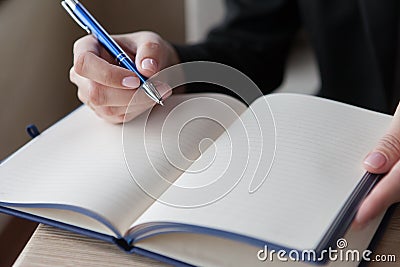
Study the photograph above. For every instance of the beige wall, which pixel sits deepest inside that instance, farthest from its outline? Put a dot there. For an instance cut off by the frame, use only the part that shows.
(36, 39)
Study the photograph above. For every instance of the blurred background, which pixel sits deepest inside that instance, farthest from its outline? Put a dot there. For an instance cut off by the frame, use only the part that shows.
(36, 40)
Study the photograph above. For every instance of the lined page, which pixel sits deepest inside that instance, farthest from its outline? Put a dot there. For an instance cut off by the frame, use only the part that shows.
(174, 140)
(202, 250)
(80, 162)
(320, 145)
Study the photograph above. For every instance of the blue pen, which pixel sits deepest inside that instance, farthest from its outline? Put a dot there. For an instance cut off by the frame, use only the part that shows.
(79, 13)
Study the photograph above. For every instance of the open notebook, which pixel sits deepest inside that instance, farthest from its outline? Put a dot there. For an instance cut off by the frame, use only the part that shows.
(204, 180)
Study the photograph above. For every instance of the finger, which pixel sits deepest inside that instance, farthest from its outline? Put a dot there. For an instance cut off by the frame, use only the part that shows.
(110, 119)
(92, 67)
(131, 103)
(387, 152)
(135, 108)
(90, 44)
(119, 119)
(149, 54)
(385, 193)
(104, 96)
(141, 102)
(73, 75)
(86, 44)
(140, 97)
(127, 43)
(122, 114)
(99, 95)
(119, 113)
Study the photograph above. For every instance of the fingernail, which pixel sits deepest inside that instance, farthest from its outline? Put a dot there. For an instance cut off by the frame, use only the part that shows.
(375, 160)
(131, 82)
(150, 65)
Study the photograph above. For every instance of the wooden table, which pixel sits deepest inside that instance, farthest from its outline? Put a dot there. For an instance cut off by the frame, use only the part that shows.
(51, 246)
(54, 247)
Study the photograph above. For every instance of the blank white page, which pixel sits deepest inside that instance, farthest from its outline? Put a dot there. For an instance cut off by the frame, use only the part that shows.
(320, 146)
(80, 162)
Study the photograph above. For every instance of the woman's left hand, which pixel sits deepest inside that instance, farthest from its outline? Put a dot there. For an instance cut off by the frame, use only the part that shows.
(385, 158)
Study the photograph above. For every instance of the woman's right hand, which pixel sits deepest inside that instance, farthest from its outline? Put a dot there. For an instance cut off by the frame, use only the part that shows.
(108, 88)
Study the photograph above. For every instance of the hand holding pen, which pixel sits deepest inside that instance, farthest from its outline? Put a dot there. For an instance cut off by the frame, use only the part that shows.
(107, 87)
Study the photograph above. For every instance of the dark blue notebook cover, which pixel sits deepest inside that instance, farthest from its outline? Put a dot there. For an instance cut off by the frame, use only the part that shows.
(337, 229)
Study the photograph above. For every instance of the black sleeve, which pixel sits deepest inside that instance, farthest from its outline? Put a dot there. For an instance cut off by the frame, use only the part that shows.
(254, 38)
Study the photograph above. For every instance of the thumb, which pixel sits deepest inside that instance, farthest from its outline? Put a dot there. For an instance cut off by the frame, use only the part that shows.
(387, 152)
(148, 58)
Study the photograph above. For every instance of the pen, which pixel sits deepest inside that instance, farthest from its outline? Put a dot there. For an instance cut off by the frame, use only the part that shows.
(79, 13)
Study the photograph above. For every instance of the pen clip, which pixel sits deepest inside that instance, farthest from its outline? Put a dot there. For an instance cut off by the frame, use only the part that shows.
(72, 14)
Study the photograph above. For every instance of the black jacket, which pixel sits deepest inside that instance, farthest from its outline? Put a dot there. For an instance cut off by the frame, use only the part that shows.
(355, 42)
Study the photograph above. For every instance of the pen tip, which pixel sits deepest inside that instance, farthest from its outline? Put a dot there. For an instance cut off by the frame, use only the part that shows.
(161, 103)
